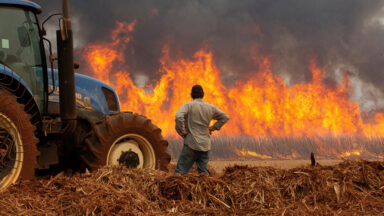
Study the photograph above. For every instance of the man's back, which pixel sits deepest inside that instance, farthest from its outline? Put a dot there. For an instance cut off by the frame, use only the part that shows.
(192, 121)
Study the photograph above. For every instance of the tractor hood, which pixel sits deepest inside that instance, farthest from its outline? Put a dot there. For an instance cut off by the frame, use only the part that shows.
(91, 94)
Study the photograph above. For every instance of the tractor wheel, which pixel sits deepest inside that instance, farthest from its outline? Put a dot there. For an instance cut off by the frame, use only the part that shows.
(128, 139)
(17, 141)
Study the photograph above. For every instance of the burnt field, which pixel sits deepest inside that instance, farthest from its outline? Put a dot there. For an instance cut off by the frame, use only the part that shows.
(350, 187)
(250, 148)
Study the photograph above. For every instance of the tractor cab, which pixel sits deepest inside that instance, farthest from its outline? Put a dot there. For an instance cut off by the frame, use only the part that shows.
(21, 47)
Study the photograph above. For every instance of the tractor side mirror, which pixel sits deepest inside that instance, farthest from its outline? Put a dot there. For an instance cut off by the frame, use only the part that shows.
(23, 35)
(43, 31)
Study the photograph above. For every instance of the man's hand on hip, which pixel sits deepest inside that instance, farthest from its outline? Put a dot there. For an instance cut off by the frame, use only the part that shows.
(210, 130)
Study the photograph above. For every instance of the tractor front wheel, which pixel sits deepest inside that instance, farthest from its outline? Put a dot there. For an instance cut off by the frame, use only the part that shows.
(128, 139)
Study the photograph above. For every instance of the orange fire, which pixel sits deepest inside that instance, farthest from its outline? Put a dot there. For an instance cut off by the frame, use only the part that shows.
(350, 153)
(248, 153)
(259, 105)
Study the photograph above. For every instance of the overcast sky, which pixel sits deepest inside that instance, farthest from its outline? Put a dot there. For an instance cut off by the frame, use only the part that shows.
(344, 35)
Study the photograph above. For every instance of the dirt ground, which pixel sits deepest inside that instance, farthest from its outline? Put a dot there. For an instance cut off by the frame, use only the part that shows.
(220, 165)
(281, 164)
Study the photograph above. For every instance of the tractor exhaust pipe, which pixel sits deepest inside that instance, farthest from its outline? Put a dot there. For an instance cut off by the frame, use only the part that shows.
(66, 72)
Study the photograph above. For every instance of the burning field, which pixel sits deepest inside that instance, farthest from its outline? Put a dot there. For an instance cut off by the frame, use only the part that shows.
(351, 187)
(287, 148)
(260, 104)
(269, 118)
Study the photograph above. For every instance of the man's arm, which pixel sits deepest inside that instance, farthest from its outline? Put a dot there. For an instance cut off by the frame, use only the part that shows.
(180, 120)
(221, 118)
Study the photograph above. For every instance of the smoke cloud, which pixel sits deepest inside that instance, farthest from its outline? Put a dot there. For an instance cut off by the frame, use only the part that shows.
(343, 35)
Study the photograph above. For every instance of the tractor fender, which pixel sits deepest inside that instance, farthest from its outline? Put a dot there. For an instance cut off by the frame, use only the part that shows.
(13, 83)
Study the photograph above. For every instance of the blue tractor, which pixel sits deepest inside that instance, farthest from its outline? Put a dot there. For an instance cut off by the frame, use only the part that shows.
(58, 120)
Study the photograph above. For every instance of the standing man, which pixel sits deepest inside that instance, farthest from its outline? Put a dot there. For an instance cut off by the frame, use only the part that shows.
(192, 123)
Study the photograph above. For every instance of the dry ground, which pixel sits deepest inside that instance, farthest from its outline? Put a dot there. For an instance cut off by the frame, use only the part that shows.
(219, 165)
(281, 164)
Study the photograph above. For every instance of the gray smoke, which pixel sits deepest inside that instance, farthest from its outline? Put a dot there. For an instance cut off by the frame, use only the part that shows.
(344, 35)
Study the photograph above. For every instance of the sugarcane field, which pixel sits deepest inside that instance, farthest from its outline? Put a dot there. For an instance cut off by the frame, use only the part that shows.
(185, 107)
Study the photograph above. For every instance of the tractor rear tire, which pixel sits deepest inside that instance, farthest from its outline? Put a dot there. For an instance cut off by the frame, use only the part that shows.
(122, 134)
(17, 141)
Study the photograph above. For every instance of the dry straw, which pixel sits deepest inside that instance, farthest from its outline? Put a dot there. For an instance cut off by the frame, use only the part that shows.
(349, 188)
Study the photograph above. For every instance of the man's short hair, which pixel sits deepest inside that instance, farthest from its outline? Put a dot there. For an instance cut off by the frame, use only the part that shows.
(197, 92)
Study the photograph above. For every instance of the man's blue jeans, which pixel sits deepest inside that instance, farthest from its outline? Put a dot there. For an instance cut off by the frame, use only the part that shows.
(188, 156)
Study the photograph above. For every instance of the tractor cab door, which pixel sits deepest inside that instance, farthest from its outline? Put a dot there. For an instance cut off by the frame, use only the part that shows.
(21, 49)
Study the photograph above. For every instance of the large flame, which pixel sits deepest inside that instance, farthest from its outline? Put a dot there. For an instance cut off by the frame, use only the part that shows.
(259, 105)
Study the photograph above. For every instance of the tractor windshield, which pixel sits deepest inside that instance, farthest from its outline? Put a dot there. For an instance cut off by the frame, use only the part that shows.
(20, 48)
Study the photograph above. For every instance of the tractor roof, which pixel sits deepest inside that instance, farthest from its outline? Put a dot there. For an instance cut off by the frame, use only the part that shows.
(22, 3)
